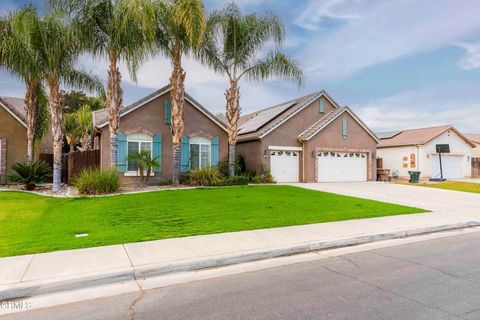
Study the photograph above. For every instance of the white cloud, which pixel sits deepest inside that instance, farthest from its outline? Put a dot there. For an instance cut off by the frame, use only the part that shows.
(318, 11)
(384, 31)
(421, 109)
(471, 60)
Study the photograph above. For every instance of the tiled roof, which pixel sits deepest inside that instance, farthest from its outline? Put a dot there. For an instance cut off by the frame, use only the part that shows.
(474, 137)
(15, 106)
(387, 135)
(418, 136)
(259, 123)
(307, 134)
(100, 117)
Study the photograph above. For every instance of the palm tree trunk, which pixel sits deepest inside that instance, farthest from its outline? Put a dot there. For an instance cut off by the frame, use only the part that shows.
(55, 104)
(113, 104)
(233, 114)
(31, 104)
(177, 93)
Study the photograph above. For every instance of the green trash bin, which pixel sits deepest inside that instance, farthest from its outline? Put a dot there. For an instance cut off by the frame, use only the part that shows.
(414, 176)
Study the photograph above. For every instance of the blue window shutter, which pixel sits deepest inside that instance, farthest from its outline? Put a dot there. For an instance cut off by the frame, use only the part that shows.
(157, 151)
(121, 152)
(215, 151)
(185, 154)
(344, 127)
(168, 111)
(322, 105)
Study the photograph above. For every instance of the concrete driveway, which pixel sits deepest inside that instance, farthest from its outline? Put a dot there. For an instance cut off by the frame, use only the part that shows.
(416, 196)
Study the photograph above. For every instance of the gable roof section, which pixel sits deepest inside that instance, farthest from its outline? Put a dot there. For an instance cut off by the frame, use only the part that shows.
(329, 118)
(387, 135)
(420, 136)
(260, 123)
(16, 107)
(100, 117)
(475, 138)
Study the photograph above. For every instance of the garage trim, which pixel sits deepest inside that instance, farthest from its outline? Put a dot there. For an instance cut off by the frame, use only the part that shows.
(285, 148)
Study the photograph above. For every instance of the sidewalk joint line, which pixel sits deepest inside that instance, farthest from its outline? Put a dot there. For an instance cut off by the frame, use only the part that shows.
(28, 266)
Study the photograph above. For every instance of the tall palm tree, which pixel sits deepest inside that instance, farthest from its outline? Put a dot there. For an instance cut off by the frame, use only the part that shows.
(18, 57)
(118, 30)
(232, 45)
(57, 48)
(181, 26)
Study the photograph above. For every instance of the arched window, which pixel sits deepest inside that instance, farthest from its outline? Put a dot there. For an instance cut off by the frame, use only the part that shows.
(200, 153)
(137, 142)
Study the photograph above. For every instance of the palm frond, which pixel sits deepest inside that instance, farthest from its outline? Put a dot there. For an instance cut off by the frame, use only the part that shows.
(276, 64)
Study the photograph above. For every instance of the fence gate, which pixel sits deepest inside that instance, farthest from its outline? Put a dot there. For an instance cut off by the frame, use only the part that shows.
(80, 160)
(475, 167)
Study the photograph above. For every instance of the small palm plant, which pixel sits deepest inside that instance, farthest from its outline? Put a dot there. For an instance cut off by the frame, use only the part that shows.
(30, 174)
(145, 164)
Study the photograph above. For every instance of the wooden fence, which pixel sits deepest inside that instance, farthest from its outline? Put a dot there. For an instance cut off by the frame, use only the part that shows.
(475, 167)
(74, 163)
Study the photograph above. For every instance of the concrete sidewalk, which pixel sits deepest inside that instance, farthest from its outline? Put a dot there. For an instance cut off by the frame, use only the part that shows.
(33, 275)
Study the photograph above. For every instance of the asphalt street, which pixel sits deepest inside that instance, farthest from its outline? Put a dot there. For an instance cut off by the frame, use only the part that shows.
(435, 279)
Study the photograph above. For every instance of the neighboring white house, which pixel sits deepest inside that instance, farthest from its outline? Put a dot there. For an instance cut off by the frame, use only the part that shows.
(415, 150)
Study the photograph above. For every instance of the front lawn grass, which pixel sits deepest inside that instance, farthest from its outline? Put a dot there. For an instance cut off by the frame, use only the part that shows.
(31, 224)
(454, 185)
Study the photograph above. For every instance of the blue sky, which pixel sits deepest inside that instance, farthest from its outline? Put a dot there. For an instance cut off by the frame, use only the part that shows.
(398, 64)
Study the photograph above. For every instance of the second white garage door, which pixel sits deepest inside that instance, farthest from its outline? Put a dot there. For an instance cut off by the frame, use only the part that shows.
(452, 166)
(285, 165)
(341, 166)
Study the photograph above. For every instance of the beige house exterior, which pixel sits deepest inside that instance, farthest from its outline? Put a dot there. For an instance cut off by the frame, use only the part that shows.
(309, 139)
(146, 125)
(13, 135)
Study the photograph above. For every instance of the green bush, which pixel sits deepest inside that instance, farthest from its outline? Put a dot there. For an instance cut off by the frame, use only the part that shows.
(96, 181)
(235, 181)
(240, 167)
(30, 174)
(205, 177)
(264, 176)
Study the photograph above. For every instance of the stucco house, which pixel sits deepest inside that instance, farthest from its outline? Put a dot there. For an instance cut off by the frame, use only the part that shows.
(13, 134)
(415, 149)
(308, 139)
(475, 138)
(145, 125)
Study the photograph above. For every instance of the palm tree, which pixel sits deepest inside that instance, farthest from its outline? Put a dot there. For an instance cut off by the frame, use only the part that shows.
(19, 58)
(118, 30)
(181, 26)
(232, 45)
(79, 128)
(57, 49)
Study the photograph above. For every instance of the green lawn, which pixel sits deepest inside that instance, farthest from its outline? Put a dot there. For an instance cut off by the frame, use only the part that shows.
(454, 185)
(32, 224)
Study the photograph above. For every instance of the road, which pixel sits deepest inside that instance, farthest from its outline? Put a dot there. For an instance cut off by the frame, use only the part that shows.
(435, 279)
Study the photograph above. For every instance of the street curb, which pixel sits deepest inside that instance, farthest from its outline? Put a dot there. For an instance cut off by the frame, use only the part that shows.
(41, 287)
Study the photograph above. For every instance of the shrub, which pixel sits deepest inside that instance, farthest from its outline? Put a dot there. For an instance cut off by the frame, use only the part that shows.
(240, 168)
(206, 177)
(30, 174)
(96, 181)
(235, 181)
(264, 176)
(145, 163)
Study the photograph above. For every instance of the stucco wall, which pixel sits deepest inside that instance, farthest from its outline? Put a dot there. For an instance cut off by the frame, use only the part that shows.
(286, 134)
(15, 135)
(476, 151)
(252, 152)
(358, 140)
(392, 157)
(151, 117)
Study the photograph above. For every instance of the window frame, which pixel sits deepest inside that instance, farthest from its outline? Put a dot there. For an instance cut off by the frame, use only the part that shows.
(139, 139)
(200, 141)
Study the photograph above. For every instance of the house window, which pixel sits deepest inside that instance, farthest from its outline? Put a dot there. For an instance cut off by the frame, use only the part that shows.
(344, 128)
(322, 105)
(200, 153)
(137, 143)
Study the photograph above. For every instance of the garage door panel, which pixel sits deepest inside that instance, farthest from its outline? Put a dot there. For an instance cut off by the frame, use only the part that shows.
(285, 165)
(341, 167)
(452, 166)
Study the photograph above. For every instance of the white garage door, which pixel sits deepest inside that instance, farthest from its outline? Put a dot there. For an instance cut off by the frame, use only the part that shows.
(452, 166)
(341, 166)
(285, 165)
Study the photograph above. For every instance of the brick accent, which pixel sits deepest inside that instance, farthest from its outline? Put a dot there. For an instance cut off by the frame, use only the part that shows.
(3, 160)
(139, 130)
